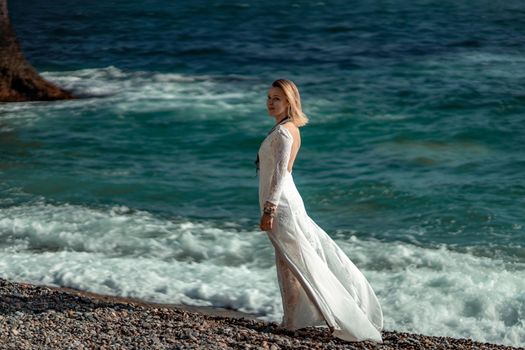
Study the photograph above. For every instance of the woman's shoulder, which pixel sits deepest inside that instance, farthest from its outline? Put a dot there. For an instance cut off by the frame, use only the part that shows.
(283, 132)
(291, 128)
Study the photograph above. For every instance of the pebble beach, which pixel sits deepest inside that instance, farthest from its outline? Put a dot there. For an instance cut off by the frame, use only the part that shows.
(44, 317)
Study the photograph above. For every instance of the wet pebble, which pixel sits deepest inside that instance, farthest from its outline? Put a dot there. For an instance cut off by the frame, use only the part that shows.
(37, 317)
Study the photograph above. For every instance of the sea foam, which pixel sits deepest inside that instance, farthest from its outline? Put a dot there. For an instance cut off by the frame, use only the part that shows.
(121, 251)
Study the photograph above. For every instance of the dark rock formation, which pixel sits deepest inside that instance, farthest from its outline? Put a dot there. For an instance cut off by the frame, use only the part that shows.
(19, 81)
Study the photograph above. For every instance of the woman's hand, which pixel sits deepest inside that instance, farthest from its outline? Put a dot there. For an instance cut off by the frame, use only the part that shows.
(266, 223)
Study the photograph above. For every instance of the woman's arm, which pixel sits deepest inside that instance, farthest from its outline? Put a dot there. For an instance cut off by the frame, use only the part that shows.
(281, 146)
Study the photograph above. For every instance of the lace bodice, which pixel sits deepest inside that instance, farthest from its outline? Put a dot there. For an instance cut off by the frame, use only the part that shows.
(274, 155)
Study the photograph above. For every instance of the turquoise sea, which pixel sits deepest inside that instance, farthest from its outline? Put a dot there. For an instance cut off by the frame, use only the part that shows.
(413, 160)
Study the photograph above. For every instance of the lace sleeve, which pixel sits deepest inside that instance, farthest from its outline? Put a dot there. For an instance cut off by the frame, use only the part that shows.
(281, 146)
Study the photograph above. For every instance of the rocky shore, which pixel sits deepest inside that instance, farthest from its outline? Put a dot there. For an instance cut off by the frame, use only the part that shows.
(41, 317)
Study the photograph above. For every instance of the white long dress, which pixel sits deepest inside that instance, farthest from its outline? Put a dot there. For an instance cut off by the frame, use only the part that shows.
(319, 284)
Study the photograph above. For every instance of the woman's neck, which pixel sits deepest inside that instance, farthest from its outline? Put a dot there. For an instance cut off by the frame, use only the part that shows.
(279, 120)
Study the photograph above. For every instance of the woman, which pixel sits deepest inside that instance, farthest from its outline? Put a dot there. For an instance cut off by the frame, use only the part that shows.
(319, 284)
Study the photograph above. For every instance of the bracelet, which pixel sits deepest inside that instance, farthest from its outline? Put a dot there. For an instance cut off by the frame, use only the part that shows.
(269, 212)
(269, 209)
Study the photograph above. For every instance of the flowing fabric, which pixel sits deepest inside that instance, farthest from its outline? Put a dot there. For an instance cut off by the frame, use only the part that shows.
(319, 284)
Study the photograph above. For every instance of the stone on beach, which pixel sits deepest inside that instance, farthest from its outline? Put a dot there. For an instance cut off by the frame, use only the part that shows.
(36, 317)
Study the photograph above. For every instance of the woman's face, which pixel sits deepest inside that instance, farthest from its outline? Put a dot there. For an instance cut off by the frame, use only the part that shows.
(276, 103)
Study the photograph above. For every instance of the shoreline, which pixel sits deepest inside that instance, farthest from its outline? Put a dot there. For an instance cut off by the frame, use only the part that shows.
(206, 310)
(39, 316)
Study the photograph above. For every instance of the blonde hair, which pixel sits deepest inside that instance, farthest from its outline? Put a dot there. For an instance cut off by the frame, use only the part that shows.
(294, 99)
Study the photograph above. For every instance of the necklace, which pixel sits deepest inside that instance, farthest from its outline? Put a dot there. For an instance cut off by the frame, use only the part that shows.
(284, 120)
